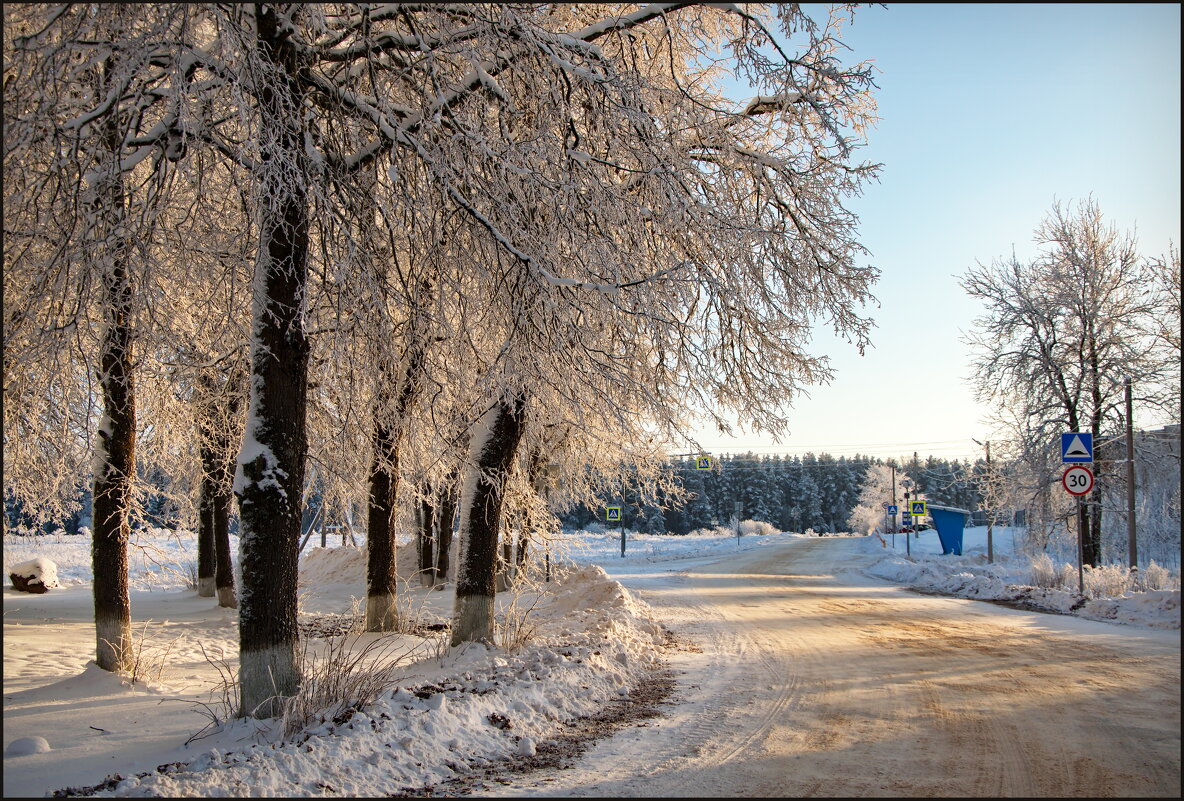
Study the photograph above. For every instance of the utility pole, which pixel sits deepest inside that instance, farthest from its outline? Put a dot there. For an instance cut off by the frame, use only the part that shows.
(622, 516)
(917, 472)
(908, 551)
(894, 504)
(990, 511)
(1130, 477)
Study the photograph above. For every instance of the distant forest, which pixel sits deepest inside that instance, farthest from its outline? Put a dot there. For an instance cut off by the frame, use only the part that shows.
(794, 493)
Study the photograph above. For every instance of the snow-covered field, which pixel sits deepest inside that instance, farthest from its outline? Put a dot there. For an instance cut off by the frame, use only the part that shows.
(573, 647)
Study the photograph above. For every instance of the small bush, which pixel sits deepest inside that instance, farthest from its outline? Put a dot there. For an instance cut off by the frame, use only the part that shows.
(757, 527)
(1107, 581)
(1043, 573)
(1156, 577)
(1067, 579)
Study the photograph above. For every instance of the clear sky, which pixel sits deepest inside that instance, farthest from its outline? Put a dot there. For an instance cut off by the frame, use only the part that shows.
(988, 113)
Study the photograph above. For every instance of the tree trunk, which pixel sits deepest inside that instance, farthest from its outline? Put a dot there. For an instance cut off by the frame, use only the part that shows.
(205, 526)
(217, 437)
(217, 422)
(223, 564)
(381, 612)
(116, 448)
(493, 453)
(523, 543)
(229, 435)
(427, 538)
(445, 522)
(270, 481)
(389, 420)
(114, 469)
(1091, 551)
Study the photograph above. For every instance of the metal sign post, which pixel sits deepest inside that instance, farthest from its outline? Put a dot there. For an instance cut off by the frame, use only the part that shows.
(1077, 451)
(612, 514)
(1079, 480)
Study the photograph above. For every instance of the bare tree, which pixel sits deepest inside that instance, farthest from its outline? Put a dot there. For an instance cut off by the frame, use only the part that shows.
(1166, 272)
(1060, 332)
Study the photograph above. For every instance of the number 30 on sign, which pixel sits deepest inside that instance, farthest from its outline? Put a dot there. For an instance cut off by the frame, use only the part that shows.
(1078, 480)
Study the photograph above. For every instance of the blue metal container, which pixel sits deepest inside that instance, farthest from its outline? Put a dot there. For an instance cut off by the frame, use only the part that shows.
(949, 522)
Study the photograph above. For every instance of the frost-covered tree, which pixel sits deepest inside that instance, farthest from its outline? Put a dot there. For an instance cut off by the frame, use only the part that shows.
(1059, 328)
(1166, 274)
(876, 490)
(621, 240)
(90, 110)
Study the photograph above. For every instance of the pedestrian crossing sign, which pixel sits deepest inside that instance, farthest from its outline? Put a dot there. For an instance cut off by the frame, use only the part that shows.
(702, 462)
(612, 514)
(917, 508)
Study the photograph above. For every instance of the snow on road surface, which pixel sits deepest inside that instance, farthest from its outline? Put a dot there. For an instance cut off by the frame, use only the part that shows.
(814, 679)
(802, 666)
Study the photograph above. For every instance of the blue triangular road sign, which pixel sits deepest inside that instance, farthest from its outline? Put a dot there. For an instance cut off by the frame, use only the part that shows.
(1077, 447)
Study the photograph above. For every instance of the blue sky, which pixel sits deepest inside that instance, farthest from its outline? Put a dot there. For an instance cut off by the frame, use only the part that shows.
(988, 113)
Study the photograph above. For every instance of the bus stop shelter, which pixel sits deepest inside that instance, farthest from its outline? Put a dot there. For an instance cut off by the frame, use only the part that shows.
(949, 522)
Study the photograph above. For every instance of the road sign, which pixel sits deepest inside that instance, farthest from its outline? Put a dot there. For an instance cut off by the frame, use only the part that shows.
(702, 462)
(884, 506)
(612, 514)
(906, 518)
(1078, 479)
(917, 508)
(1077, 448)
(893, 509)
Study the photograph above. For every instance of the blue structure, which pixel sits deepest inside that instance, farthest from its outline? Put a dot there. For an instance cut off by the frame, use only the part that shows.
(949, 522)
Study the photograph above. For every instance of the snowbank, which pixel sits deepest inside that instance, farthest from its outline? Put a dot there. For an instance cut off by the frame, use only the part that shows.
(1009, 579)
(593, 641)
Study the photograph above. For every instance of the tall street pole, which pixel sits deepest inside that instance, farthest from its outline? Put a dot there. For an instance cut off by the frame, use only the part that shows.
(894, 504)
(1132, 546)
(622, 516)
(990, 511)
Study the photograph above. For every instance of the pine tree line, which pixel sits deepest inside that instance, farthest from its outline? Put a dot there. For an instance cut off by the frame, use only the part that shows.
(794, 493)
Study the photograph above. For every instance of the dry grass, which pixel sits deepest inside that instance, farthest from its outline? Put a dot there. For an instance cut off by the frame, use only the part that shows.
(513, 628)
(1107, 581)
(347, 673)
(223, 699)
(148, 655)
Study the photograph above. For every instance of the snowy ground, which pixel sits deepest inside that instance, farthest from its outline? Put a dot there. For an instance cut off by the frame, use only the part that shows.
(577, 646)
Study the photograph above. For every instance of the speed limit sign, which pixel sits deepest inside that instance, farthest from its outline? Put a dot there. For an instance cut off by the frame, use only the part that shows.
(1078, 480)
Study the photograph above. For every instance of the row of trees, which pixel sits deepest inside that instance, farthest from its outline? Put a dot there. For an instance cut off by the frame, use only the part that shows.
(389, 251)
(1059, 334)
(794, 493)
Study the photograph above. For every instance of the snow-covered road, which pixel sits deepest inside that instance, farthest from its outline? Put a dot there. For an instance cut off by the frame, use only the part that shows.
(813, 679)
